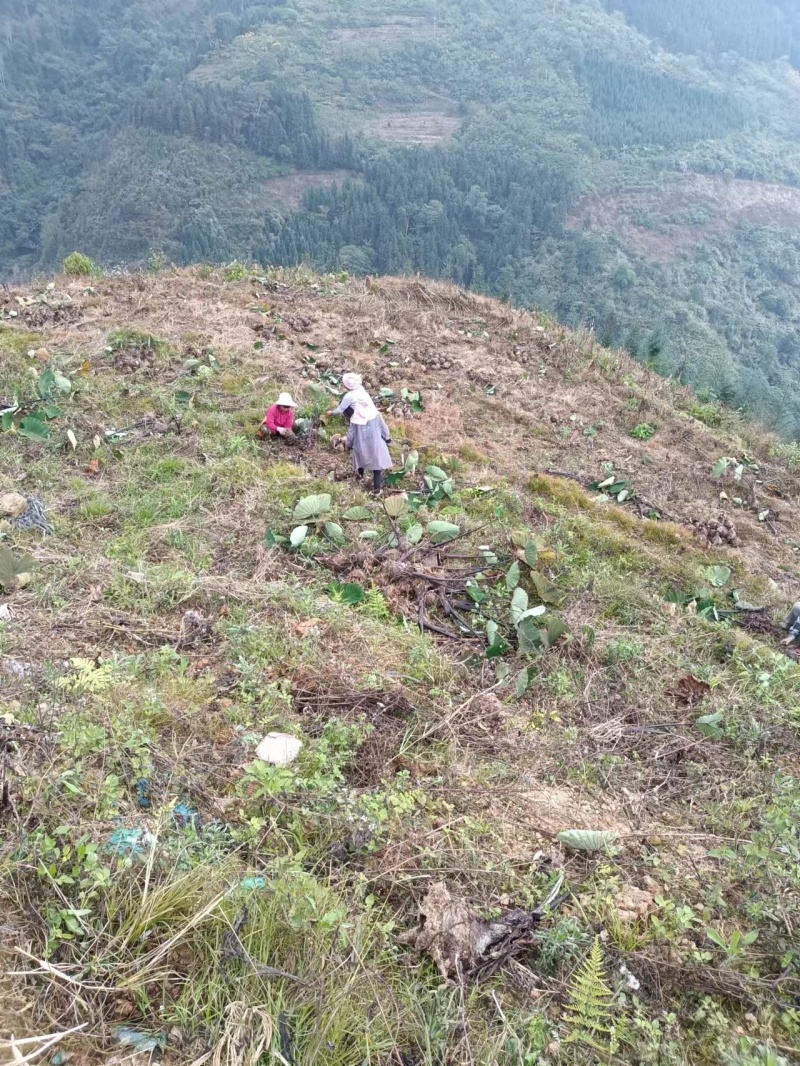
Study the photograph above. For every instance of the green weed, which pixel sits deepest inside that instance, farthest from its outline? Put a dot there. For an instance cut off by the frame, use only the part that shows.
(643, 431)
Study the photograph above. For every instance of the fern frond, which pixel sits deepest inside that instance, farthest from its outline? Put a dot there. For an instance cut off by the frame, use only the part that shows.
(375, 605)
(589, 1010)
(88, 677)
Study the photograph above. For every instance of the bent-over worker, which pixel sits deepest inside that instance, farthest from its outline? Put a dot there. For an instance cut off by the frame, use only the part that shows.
(368, 434)
(279, 419)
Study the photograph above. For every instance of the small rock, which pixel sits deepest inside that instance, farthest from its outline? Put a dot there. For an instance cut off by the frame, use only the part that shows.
(14, 668)
(634, 904)
(279, 749)
(632, 982)
(12, 505)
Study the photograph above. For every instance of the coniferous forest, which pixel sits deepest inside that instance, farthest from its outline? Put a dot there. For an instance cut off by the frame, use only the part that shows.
(629, 164)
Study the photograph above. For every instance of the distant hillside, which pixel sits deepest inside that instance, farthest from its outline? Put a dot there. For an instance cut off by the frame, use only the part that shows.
(630, 165)
(538, 688)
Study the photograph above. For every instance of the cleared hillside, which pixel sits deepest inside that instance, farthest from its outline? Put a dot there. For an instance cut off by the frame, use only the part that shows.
(506, 655)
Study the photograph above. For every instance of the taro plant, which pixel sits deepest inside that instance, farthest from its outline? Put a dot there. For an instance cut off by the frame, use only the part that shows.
(413, 399)
(309, 512)
(349, 592)
(31, 418)
(615, 487)
(529, 627)
(736, 467)
(409, 469)
(438, 483)
(201, 368)
(745, 474)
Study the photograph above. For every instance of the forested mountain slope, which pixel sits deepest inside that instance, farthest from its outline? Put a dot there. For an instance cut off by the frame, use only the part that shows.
(629, 164)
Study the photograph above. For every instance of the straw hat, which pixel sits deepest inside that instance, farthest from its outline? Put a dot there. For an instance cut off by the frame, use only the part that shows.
(285, 400)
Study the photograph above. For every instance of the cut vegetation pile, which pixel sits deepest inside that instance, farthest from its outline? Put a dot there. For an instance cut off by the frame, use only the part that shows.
(546, 802)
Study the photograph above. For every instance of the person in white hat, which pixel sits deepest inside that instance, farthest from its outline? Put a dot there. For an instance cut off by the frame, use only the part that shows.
(368, 436)
(279, 420)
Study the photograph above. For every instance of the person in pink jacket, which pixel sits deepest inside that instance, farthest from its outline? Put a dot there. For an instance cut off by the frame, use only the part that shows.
(279, 419)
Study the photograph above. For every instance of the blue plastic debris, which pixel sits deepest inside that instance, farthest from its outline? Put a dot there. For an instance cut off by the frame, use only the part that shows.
(186, 816)
(130, 841)
(252, 883)
(61, 1058)
(143, 792)
(138, 1040)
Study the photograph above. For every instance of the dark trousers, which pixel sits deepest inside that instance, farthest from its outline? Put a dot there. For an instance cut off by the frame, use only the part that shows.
(377, 479)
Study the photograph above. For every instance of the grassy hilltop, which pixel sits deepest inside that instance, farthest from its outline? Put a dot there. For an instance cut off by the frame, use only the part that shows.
(156, 877)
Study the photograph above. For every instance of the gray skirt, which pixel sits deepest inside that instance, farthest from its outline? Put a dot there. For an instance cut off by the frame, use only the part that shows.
(368, 445)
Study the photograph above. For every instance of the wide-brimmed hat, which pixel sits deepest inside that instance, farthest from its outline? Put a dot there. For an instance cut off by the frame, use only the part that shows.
(285, 400)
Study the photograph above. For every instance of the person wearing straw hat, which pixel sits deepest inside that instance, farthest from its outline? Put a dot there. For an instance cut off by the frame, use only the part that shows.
(368, 435)
(279, 420)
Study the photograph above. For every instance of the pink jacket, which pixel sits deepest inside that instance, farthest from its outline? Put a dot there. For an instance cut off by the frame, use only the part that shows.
(276, 419)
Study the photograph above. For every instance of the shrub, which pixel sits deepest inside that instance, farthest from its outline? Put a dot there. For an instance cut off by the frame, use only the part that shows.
(789, 452)
(236, 271)
(707, 413)
(78, 265)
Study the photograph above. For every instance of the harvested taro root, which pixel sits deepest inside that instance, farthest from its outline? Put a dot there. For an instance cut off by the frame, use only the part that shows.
(436, 361)
(717, 532)
(129, 360)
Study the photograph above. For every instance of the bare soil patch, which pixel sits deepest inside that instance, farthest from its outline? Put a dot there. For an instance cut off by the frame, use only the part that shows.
(286, 193)
(425, 127)
(399, 29)
(552, 810)
(661, 224)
